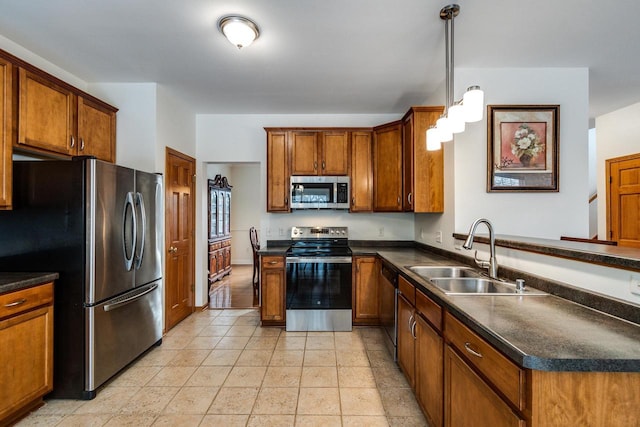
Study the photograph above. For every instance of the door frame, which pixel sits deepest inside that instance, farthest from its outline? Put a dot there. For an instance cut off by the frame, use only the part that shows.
(608, 163)
(171, 152)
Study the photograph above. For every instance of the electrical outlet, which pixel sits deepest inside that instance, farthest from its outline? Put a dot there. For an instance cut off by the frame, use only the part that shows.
(269, 232)
(439, 237)
(634, 285)
(381, 232)
(421, 233)
(281, 232)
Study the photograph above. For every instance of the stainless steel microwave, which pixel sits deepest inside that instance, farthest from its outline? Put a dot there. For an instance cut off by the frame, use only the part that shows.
(320, 192)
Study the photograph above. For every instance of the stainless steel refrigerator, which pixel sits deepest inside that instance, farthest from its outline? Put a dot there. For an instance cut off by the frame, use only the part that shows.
(100, 227)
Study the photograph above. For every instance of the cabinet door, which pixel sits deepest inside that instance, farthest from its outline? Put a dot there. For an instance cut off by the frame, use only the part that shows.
(26, 370)
(335, 153)
(277, 172)
(304, 152)
(387, 168)
(6, 132)
(427, 174)
(407, 164)
(361, 174)
(45, 115)
(406, 341)
(272, 294)
(469, 401)
(213, 212)
(429, 371)
(365, 291)
(96, 130)
(227, 213)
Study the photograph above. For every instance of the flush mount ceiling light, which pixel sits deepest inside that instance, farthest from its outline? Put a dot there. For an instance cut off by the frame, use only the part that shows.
(456, 113)
(240, 31)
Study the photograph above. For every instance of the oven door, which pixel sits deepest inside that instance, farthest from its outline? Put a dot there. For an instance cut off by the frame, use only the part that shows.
(319, 293)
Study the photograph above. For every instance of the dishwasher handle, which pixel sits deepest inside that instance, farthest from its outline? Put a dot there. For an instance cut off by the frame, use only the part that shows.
(390, 275)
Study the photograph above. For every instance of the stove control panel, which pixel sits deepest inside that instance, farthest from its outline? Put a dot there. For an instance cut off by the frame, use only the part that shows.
(298, 233)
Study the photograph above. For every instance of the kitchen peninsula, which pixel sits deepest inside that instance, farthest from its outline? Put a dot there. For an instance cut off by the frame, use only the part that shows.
(522, 360)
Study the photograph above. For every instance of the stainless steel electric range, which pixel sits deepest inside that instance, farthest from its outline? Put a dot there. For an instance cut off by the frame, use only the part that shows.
(319, 280)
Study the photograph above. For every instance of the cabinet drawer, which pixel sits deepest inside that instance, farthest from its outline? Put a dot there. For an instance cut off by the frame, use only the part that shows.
(407, 289)
(16, 302)
(429, 309)
(272, 262)
(507, 377)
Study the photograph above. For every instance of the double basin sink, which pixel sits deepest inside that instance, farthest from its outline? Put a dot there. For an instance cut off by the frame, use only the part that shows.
(454, 280)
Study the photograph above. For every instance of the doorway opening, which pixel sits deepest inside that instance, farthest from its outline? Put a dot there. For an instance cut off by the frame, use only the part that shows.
(236, 290)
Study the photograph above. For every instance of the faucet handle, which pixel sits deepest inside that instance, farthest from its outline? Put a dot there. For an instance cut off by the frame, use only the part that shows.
(481, 262)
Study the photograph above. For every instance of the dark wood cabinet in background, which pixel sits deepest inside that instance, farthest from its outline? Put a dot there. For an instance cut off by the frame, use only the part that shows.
(219, 228)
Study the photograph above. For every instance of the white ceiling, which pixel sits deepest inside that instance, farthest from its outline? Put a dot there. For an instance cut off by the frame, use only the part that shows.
(327, 56)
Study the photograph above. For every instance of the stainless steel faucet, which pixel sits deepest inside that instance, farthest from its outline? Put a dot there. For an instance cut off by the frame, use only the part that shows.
(492, 264)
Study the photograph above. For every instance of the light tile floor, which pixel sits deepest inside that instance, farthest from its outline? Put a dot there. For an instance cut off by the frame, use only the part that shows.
(219, 368)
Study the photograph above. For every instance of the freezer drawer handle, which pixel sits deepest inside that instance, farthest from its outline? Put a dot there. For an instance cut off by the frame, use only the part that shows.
(131, 299)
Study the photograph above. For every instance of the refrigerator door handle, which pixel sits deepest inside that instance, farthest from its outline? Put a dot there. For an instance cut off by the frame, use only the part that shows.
(128, 299)
(143, 218)
(129, 253)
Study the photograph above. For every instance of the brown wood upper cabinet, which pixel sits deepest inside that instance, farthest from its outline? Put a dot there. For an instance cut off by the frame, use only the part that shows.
(6, 132)
(423, 171)
(387, 167)
(361, 172)
(319, 152)
(277, 171)
(54, 119)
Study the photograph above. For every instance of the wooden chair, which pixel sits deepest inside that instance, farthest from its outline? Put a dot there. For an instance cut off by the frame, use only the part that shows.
(255, 246)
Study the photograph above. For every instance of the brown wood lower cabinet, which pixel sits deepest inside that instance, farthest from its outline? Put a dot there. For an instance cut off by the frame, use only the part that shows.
(26, 358)
(272, 290)
(219, 259)
(469, 401)
(366, 299)
(429, 371)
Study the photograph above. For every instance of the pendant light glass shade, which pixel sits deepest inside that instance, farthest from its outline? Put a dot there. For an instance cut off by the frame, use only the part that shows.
(240, 31)
(456, 118)
(473, 102)
(433, 139)
(444, 129)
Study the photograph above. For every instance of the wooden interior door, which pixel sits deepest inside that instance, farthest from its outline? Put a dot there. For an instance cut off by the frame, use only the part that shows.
(623, 201)
(179, 220)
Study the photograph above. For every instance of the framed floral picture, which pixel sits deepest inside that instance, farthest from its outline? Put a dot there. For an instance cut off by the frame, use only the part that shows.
(522, 148)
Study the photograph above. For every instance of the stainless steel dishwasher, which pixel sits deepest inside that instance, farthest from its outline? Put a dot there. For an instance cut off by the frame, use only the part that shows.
(389, 305)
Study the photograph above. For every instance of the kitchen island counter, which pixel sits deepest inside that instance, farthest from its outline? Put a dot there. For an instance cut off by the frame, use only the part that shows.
(545, 333)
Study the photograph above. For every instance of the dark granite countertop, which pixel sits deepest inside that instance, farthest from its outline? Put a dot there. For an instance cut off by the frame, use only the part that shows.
(10, 281)
(538, 332)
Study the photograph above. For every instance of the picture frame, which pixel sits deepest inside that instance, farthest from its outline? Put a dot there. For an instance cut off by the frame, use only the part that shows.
(522, 148)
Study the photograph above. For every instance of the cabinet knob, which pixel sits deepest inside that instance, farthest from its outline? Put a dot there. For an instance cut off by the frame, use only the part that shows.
(81, 144)
(323, 165)
(399, 200)
(73, 142)
(409, 198)
(315, 165)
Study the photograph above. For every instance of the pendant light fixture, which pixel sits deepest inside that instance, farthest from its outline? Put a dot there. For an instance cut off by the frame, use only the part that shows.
(240, 31)
(456, 114)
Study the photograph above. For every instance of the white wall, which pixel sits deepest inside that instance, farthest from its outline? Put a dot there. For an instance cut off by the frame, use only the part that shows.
(593, 183)
(617, 135)
(245, 210)
(175, 126)
(136, 122)
(545, 215)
